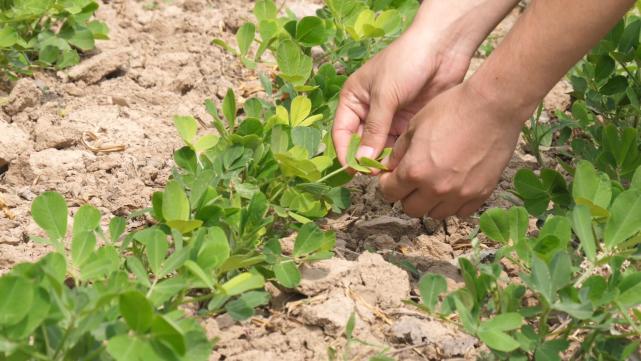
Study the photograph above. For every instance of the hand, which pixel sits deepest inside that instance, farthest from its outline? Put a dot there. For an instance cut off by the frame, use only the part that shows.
(432, 56)
(453, 153)
(383, 95)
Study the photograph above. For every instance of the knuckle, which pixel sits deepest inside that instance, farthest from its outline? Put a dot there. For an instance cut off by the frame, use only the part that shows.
(374, 128)
(443, 188)
(468, 193)
(413, 174)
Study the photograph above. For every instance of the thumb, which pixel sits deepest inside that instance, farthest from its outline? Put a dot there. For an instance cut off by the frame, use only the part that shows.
(377, 126)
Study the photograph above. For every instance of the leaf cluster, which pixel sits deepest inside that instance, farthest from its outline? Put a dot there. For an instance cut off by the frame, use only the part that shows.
(46, 33)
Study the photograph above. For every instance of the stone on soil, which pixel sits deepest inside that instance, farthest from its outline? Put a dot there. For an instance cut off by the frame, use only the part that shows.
(393, 226)
(23, 95)
(448, 342)
(97, 67)
(13, 142)
(331, 314)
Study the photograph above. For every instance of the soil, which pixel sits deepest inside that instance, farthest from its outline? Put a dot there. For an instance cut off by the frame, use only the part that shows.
(102, 133)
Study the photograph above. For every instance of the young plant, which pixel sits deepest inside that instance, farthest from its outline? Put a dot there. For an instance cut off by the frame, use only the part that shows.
(46, 34)
(579, 276)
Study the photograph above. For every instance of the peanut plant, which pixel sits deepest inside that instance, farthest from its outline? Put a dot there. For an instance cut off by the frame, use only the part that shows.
(268, 170)
(46, 34)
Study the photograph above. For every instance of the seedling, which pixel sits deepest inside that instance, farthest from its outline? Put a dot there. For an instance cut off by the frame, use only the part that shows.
(46, 34)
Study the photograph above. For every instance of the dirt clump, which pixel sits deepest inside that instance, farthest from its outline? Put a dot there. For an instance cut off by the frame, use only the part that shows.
(24, 94)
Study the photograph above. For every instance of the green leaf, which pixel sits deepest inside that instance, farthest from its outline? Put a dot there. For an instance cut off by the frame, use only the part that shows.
(350, 157)
(494, 223)
(309, 138)
(498, 340)
(531, 189)
(215, 249)
(163, 328)
(175, 205)
(559, 227)
(625, 218)
(293, 63)
(157, 247)
(431, 286)
(185, 227)
(301, 107)
(604, 67)
(206, 142)
(504, 322)
(310, 31)
(549, 350)
(636, 179)
(82, 247)
(242, 283)
(223, 44)
(135, 266)
(245, 37)
(49, 211)
(99, 30)
(38, 312)
(287, 274)
(82, 39)
(136, 310)
(592, 186)
(243, 307)
(102, 263)
(229, 108)
(309, 239)
(541, 278)
(349, 328)
(17, 296)
(197, 271)
(175, 261)
(265, 10)
(187, 128)
(8, 36)
(630, 289)
(125, 348)
(582, 225)
(117, 227)
(371, 163)
(616, 85)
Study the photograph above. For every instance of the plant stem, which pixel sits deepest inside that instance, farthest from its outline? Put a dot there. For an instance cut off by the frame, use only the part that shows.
(72, 323)
(330, 175)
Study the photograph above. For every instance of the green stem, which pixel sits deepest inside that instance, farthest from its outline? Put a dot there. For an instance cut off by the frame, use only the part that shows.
(627, 317)
(584, 276)
(330, 175)
(625, 68)
(72, 324)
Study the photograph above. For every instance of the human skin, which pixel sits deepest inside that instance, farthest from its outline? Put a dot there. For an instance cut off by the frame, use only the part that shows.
(434, 54)
(450, 158)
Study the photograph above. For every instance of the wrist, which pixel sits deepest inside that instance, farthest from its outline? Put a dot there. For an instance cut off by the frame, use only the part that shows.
(511, 106)
(458, 26)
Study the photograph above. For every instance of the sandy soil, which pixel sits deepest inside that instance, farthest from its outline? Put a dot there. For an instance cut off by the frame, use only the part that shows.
(102, 133)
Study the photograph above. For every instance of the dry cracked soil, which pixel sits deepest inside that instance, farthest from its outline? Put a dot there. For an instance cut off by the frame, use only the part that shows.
(102, 133)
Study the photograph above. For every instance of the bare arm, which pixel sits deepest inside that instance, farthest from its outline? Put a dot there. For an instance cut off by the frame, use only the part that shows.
(435, 52)
(455, 149)
(550, 37)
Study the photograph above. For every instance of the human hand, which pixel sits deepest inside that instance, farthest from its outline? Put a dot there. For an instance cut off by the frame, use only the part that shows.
(432, 56)
(384, 94)
(453, 153)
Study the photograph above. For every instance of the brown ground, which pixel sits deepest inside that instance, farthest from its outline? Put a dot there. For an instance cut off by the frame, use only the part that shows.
(159, 63)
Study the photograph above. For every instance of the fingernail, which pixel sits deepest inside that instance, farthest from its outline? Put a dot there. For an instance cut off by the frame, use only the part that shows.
(385, 161)
(364, 152)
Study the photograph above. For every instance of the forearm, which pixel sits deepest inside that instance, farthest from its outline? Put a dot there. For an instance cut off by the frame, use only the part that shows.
(461, 25)
(549, 38)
